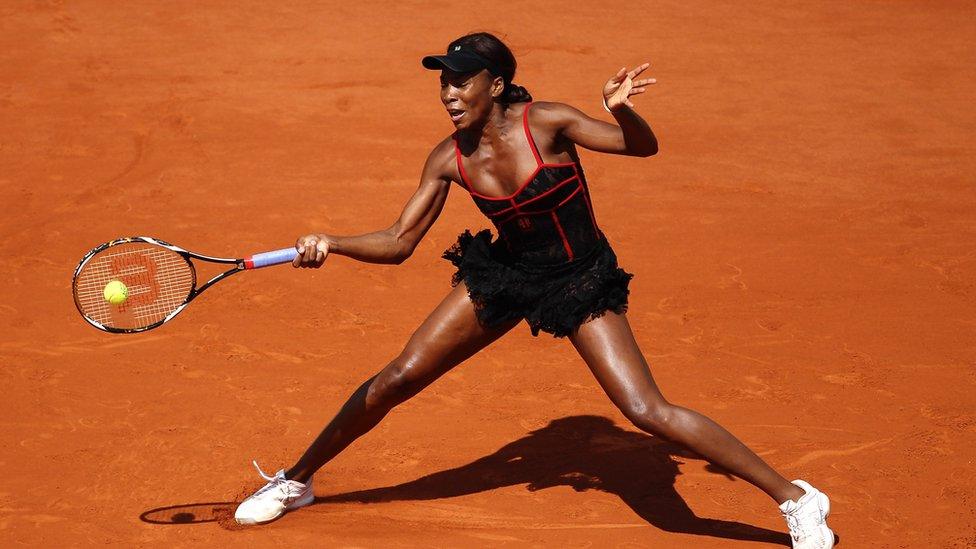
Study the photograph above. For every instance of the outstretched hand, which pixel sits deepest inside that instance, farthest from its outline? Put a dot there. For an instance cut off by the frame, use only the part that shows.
(622, 85)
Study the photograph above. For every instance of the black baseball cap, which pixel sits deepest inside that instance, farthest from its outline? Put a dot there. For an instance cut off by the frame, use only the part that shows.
(459, 59)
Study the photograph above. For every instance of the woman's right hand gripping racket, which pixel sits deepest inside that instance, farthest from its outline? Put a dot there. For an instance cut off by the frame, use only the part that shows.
(135, 284)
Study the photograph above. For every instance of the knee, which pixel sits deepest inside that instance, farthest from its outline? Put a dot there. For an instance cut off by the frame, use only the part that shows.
(396, 383)
(654, 417)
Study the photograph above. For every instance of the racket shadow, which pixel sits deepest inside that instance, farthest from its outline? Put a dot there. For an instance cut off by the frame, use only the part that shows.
(191, 513)
(586, 453)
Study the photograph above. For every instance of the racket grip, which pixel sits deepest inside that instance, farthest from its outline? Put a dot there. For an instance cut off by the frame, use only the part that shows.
(266, 259)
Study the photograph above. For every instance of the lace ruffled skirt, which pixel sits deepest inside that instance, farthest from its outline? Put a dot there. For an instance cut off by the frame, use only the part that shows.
(555, 299)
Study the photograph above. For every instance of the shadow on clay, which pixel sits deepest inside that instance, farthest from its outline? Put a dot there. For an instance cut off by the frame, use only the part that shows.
(582, 452)
(193, 513)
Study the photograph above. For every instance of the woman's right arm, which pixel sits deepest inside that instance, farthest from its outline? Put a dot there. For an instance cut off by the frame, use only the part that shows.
(396, 243)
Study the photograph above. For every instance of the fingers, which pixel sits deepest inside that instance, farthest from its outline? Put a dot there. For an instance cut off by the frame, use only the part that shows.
(623, 82)
(620, 76)
(308, 258)
(312, 251)
(321, 252)
(300, 246)
(637, 70)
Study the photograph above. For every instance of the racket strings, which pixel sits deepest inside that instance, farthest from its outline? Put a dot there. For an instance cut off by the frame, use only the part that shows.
(158, 282)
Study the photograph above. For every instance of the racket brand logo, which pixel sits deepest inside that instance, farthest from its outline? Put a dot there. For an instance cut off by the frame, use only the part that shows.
(138, 273)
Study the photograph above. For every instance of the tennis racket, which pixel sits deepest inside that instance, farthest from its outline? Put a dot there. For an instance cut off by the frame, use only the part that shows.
(160, 279)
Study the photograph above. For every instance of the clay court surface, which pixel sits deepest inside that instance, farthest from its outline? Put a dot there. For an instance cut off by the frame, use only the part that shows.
(803, 247)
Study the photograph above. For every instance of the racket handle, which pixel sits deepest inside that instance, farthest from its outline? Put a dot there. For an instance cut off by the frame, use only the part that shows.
(266, 259)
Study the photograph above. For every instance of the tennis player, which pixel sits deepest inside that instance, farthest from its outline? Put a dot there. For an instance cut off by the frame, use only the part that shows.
(550, 266)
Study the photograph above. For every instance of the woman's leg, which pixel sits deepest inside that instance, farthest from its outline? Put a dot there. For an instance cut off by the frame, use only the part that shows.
(449, 336)
(607, 345)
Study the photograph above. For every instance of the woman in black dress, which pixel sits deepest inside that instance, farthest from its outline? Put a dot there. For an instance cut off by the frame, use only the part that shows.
(550, 266)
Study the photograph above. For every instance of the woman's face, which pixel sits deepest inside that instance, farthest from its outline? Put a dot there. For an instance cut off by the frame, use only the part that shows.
(469, 97)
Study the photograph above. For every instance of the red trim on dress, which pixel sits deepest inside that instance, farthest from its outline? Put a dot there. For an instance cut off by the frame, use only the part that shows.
(568, 198)
(562, 235)
(524, 185)
(518, 205)
(460, 165)
(528, 135)
(520, 213)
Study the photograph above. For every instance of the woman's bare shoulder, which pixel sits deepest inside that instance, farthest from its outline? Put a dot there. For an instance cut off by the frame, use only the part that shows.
(442, 158)
(553, 111)
(553, 114)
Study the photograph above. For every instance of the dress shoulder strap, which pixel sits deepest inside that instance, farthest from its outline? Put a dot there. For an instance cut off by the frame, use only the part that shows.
(460, 165)
(528, 134)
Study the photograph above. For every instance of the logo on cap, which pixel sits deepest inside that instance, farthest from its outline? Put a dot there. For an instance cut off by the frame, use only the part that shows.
(457, 48)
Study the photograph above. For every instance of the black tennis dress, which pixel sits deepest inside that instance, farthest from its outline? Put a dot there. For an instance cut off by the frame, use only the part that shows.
(550, 264)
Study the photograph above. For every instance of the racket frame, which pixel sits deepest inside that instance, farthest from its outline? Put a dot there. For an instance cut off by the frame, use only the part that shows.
(239, 265)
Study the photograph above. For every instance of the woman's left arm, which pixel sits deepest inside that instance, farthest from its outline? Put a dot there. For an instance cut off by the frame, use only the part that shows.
(632, 136)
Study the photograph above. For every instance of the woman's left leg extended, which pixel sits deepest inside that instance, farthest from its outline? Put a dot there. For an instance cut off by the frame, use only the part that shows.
(608, 346)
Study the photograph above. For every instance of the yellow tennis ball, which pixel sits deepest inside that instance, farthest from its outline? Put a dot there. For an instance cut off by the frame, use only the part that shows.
(115, 292)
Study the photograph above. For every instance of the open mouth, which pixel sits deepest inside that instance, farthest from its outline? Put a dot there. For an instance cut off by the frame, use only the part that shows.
(456, 114)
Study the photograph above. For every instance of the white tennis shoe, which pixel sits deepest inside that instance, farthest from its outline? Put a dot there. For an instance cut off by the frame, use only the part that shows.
(276, 497)
(807, 519)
